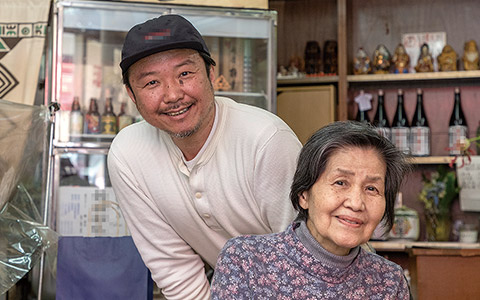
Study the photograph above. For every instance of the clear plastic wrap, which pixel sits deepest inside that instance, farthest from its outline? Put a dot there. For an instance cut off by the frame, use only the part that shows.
(23, 237)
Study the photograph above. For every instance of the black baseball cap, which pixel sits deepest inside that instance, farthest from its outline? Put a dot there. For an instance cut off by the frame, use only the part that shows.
(164, 33)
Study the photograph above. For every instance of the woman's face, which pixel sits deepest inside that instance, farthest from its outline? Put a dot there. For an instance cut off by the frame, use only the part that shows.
(348, 200)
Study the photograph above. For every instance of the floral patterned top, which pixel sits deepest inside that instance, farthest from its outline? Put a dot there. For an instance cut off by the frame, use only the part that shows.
(293, 265)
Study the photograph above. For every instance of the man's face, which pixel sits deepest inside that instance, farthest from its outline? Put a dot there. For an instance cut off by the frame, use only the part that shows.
(173, 92)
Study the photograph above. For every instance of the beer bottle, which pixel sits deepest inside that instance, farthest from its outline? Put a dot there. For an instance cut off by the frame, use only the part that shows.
(109, 120)
(93, 117)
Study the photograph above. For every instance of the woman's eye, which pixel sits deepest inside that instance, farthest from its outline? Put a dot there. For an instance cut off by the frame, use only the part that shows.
(151, 82)
(372, 188)
(184, 73)
(339, 182)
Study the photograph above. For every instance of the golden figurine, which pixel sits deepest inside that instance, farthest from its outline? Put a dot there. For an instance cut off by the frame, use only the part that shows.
(296, 65)
(425, 60)
(401, 60)
(361, 63)
(381, 60)
(470, 56)
(221, 84)
(447, 60)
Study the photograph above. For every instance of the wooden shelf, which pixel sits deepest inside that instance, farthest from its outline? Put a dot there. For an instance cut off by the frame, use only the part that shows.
(454, 75)
(307, 80)
(403, 245)
(430, 160)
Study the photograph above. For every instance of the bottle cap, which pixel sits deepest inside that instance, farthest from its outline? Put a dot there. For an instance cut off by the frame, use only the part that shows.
(457, 90)
(380, 92)
(400, 91)
(419, 91)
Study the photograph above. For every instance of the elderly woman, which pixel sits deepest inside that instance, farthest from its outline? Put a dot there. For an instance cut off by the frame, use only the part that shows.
(346, 182)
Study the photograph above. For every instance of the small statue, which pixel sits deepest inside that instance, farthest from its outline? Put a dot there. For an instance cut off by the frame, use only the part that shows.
(470, 56)
(296, 65)
(425, 60)
(401, 60)
(330, 57)
(381, 60)
(447, 60)
(313, 60)
(361, 63)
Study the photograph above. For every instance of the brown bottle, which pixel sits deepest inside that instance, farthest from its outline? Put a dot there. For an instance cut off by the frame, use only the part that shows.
(109, 120)
(76, 117)
(93, 117)
(123, 119)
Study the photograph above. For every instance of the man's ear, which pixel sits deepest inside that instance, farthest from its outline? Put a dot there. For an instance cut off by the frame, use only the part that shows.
(130, 93)
(303, 199)
(212, 74)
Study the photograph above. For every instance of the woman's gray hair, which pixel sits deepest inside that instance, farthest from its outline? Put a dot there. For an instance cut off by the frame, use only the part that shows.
(340, 135)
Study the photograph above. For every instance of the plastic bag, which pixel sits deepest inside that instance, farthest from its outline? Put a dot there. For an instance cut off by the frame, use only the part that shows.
(23, 237)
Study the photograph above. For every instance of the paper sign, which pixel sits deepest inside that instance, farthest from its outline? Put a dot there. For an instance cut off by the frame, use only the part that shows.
(468, 178)
(413, 41)
(89, 212)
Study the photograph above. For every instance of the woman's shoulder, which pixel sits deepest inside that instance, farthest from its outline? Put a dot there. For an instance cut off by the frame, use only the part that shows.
(376, 263)
(248, 245)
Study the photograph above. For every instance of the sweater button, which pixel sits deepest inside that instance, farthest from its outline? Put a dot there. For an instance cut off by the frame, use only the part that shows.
(198, 195)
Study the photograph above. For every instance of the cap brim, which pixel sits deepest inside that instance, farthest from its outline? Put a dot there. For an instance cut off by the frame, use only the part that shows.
(127, 62)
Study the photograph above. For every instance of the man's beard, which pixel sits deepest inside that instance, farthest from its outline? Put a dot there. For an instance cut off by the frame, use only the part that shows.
(188, 133)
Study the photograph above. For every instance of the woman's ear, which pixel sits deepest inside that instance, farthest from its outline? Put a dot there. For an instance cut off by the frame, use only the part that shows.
(303, 199)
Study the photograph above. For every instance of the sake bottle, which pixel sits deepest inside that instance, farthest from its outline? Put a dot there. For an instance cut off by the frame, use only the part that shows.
(363, 105)
(400, 126)
(457, 130)
(380, 120)
(420, 132)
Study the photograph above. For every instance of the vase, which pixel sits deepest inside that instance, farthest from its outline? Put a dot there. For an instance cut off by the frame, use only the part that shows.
(438, 226)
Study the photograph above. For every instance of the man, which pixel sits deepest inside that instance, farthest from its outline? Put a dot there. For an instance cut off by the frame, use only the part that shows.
(201, 169)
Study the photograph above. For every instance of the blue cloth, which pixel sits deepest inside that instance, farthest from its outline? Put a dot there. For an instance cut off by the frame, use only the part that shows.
(101, 268)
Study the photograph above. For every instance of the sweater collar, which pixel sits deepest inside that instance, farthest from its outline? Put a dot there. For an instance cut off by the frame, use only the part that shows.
(322, 255)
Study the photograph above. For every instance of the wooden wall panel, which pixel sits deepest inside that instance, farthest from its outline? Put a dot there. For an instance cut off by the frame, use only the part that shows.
(300, 21)
(306, 109)
(372, 22)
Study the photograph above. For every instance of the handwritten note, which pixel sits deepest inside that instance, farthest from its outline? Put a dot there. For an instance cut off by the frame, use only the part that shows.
(469, 181)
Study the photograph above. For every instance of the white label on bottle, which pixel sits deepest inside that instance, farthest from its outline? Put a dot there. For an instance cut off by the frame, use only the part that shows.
(124, 121)
(385, 132)
(457, 135)
(400, 138)
(76, 123)
(420, 141)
